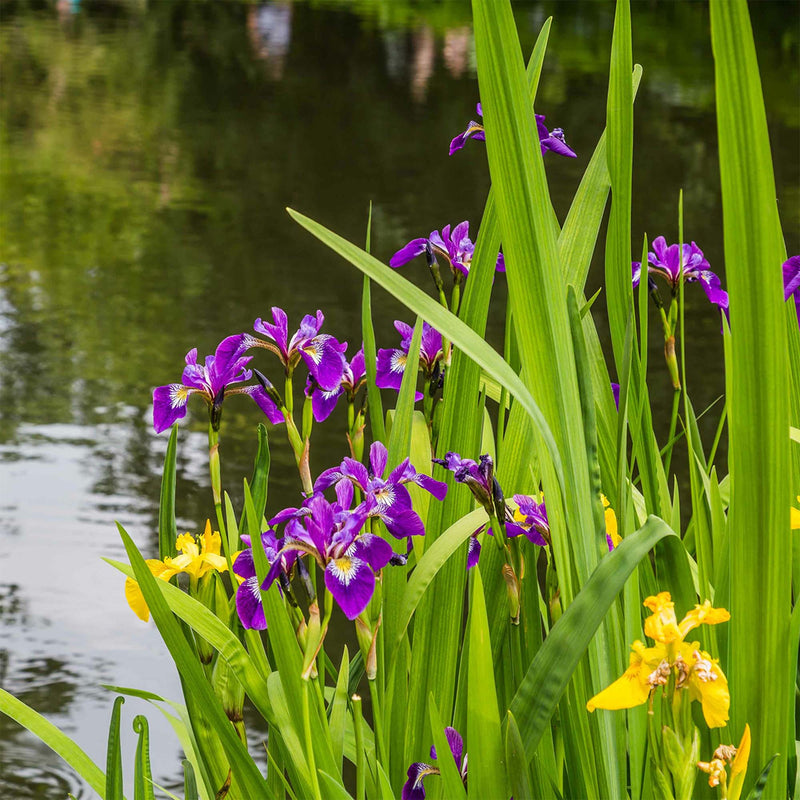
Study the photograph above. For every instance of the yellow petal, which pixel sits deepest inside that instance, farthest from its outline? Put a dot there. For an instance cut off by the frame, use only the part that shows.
(739, 766)
(795, 516)
(662, 626)
(632, 689)
(611, 522)
(133, 592)
(211, 542)
(703, 615)
(712, 694)
(739, 763)
(184, 542)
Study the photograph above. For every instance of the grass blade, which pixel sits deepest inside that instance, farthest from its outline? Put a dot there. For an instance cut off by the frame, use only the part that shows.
(114, 755)
(167, 526)
(757, 395)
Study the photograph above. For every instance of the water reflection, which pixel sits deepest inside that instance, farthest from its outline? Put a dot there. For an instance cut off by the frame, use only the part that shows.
(149, 152)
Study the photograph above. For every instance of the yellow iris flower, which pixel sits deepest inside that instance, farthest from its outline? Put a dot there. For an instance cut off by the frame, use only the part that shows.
(197, 556)
(651, 667)
(796, 516)
(611, 521)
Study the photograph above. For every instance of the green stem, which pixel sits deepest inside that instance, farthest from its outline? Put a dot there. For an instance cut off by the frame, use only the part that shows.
(358, 724)
(673, 422)
(216, 477)
(717, 437)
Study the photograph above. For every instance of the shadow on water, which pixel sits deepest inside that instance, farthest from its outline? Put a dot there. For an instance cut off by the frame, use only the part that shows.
(149, 152)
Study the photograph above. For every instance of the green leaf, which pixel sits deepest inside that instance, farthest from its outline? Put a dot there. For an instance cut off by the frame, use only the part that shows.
(55, 739)
(333, 788)
(338, 709)
(114, 755)
(552, 668)
(189, 782)
(518, 772)
(167, 526)
(757, 371)
(761, 783)
(487, 772)
(142, 775)
(435, 557)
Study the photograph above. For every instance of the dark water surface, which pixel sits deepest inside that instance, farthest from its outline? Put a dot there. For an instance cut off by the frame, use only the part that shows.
(148, 152)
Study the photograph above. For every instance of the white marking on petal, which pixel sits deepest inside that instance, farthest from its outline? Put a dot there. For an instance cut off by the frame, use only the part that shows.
(178, 395)
(398, 361)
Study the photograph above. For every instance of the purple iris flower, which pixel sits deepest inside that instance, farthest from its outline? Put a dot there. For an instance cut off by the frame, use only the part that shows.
(666, 261)
(248, 595)
(323, 402)
(391, 364)
(549, 140)
(321, 352)
(477, 475)
(413, 788)
(530, 520)
(211, 380)
(385, 498)
(455, 247)
(333, 537)
(791, 282)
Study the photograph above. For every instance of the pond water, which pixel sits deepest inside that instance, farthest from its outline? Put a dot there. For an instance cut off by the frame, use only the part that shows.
(149, 150)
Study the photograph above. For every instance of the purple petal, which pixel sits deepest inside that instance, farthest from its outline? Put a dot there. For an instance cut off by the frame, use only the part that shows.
(474, 552)
(278, 330)
(711, 285)
(416, 247)
(356, 472)
(456, 144)
(413, 788)
(430, 344)
(437, 488)
(344, 494)
(325, 481)
(501, 263)
(229, 362)
(791, 277)
(615, 392)
(402, 522)
(636, 268)
(375, 551)
(248, 605)
(244, 566)
(557, 145)
(324, 359)
(323, 403)
(169, 405)
(456, 744)
(378, 456)
(351, 582)
(405, 330)
(265, 403)
(390, 366)
(358, 367)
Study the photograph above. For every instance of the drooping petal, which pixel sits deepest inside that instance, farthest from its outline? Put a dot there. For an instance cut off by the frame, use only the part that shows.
(473, 131)
(248, 605)
(474, 551)
(713, 289)
(169, 404)
(324, 359)
(402, 522)
(265, 403)
(351, 582)
(708, 684)
(629, 690)
(323, 403)
(437, 488)
(390, 365)
(375, 551)
(133, 592)
(413, 788)
(416, 247)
